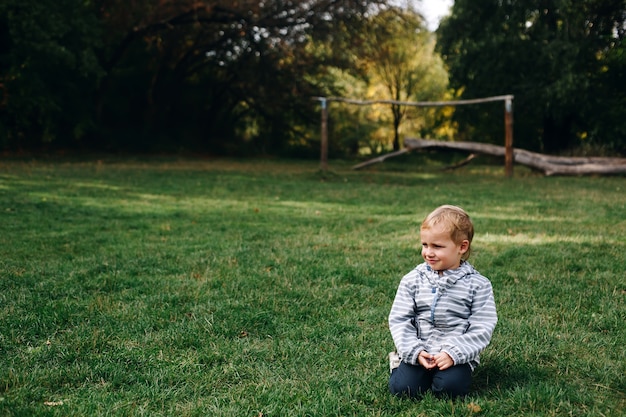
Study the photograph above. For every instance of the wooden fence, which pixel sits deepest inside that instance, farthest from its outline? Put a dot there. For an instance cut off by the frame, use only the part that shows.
(508, 120)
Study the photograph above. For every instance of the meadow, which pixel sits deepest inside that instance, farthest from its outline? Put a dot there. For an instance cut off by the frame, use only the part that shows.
(209, 287)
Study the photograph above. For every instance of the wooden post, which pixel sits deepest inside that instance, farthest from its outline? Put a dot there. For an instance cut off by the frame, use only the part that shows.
(508, 137)
(324, 139)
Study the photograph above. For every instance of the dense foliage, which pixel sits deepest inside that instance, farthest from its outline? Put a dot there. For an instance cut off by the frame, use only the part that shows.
(239, 77)
(164, 74)
(564, 62)
(49, 70)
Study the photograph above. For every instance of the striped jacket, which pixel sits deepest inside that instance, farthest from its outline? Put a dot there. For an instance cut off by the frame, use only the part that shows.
(454, 313)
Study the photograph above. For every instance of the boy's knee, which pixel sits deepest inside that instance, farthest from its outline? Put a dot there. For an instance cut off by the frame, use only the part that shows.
(402, 385)
(396, 386)
(403, 390)
(449, 389)
(452, 384)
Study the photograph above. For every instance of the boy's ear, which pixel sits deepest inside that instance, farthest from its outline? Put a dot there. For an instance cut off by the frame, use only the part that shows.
(464, 246)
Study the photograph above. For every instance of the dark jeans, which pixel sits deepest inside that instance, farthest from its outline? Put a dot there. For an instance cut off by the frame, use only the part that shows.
(413, 381)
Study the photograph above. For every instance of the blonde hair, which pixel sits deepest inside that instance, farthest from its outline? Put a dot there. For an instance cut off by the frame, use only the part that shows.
(455, 221)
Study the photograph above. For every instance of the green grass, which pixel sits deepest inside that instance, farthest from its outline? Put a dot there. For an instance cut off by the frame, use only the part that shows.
(225, 288)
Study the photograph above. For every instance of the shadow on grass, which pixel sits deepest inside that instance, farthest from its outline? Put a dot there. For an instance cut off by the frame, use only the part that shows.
(497, 374)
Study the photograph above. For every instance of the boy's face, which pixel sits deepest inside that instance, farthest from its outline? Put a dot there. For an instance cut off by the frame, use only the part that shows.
(439, 250)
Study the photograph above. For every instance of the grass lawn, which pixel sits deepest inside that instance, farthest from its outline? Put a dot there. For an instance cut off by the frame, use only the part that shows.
(261, 288)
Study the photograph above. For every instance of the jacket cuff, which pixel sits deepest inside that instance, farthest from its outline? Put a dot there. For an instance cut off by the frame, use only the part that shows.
(413, 359)
(454, 355)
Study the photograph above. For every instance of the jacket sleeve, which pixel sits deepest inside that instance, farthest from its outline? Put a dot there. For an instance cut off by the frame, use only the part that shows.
(402, 321)
(481, 323)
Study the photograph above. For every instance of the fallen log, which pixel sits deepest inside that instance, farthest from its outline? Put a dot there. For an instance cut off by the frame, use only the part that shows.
(381, 158)
(548, 164)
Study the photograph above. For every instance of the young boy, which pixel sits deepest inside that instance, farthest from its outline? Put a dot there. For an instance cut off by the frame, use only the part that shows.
(443, 314)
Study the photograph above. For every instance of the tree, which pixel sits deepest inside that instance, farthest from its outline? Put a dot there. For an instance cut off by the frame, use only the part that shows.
(554, 56)
(399, 55)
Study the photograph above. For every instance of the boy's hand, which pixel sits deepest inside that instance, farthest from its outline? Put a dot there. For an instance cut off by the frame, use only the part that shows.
(426, 360)
(443, 361)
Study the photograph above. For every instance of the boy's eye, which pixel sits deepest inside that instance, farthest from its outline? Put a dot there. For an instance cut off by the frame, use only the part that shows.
(425, 245)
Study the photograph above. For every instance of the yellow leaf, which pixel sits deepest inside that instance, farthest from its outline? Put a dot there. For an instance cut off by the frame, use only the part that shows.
(474, 408)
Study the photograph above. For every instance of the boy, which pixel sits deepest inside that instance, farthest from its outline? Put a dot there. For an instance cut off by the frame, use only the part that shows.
(443, 314)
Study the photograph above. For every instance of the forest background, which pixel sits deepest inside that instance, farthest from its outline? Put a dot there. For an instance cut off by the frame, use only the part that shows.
(237, 78)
